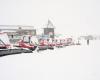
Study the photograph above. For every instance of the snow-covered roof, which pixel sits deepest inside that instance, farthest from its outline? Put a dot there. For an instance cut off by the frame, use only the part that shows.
(7, 27)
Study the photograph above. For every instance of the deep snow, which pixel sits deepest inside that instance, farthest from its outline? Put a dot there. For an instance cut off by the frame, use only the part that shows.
(68, 63)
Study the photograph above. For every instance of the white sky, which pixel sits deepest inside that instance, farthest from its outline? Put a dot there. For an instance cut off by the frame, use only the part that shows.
(69, 16)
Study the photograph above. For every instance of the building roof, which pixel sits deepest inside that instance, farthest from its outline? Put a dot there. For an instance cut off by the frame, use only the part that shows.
(15, 27)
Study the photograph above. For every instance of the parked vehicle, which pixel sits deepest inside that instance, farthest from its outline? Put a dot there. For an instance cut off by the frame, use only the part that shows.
(29, 42)
(62, 41)
(6, 48)
(68, 42)
(51, 43)
(4, 41)
(43, 44)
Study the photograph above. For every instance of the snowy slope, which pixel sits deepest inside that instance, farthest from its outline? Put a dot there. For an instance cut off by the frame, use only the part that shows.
(69, 63)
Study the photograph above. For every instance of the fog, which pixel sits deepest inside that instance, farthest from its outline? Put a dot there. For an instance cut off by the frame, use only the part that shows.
(76, 17)
(71, 17)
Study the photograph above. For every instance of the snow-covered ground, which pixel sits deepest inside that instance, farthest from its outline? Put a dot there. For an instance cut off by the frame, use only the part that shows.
(68, 63)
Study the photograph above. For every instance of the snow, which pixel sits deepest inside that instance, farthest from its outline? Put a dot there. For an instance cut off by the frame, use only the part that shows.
(79, 62)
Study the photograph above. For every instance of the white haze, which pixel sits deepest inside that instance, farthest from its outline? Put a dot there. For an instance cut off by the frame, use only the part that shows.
(74, 17)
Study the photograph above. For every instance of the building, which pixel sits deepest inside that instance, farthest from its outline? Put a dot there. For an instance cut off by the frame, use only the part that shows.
(49, 30)
(15, 32)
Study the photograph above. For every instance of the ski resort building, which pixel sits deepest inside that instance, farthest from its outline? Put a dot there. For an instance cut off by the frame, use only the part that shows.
(15, 32)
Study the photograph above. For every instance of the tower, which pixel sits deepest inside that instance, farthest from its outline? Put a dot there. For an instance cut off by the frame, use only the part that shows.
(49, 30)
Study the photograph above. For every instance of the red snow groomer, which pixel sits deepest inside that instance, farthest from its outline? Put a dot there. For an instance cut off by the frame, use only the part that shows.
(62, 40)
(59, 40)
(4, 46)
(51, 43)
(29, 42)
(68, 42)
(58, 43)
(4, 41)
(7, 48)
(43, 44)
